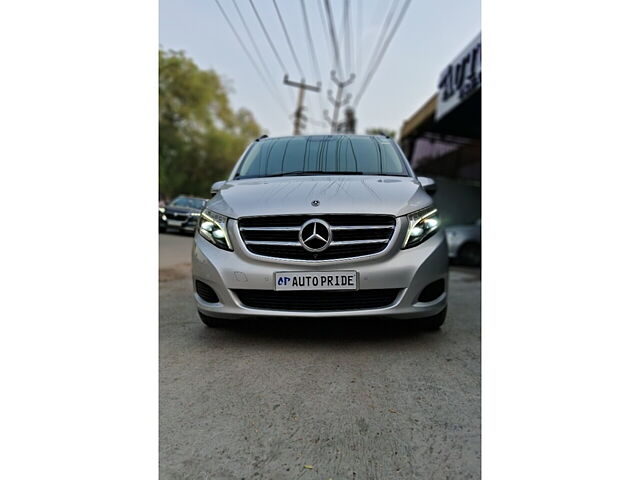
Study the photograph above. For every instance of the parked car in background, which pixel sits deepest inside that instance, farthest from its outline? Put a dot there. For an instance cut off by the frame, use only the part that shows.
(464, 244)
(181, 214)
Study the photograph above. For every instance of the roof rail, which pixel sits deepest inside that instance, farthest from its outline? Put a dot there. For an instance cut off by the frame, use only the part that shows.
(261, 137)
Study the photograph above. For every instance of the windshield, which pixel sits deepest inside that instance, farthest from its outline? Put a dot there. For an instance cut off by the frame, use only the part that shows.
(190, 202)
(323, 155)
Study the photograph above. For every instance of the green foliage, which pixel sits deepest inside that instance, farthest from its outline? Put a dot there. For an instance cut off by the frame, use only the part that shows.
(381, 131)
(201, 137)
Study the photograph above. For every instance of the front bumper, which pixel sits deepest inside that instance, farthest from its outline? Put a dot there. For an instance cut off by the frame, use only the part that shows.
(408, 270)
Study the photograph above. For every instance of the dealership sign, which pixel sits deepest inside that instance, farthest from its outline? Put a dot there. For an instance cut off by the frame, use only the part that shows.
(460, 79)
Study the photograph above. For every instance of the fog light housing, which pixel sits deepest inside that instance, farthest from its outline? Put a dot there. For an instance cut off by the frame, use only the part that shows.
(432, 291)
(206, 293)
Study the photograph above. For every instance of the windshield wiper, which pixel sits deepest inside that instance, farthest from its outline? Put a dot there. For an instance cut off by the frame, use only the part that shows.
(312, 172)
(298, 172)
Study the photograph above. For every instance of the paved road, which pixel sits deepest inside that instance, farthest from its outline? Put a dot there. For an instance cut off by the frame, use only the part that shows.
(318, 400)
(175, 256)
(174, 249)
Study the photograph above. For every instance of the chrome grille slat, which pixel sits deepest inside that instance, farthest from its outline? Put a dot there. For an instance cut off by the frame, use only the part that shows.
(333, 228)
(361, 227)
(273, 242)
(270, 229)
(297, 244)
(359, 242)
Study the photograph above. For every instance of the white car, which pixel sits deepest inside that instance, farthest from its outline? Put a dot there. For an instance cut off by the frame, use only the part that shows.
(464, 244)
(321, 226)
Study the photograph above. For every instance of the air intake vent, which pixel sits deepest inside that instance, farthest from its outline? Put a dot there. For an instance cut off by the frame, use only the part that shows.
(432, 291)
(318, 300)
(206, 293)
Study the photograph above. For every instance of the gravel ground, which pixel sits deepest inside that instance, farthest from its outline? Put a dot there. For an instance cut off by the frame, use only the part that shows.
(323, 399)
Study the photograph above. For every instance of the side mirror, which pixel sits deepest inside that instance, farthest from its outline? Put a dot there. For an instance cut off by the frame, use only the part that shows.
(215, 188)
(428, 185)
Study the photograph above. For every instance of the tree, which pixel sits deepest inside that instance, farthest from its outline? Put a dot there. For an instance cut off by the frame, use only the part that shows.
(349, 124)
(381, 131)
(201, 136)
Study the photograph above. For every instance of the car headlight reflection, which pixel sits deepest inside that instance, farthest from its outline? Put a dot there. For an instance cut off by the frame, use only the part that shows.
(422, 225)
(213, 227)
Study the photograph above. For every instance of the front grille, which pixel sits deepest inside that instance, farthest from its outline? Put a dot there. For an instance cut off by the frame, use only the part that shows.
(177, 216)
(322, 301)
(353, 235)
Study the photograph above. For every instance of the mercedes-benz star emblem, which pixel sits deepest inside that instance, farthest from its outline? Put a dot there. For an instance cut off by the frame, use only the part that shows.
(315, 203)
(315, 235)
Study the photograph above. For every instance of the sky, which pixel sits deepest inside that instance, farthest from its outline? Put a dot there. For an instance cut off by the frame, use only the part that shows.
(431, 34)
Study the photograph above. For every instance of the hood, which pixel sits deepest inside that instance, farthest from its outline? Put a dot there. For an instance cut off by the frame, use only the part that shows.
(336, 194)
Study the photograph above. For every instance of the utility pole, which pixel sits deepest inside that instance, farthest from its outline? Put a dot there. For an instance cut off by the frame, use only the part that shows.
(299, 116)
(338, 102)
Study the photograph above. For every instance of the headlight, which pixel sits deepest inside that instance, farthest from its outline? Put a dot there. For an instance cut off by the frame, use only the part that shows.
(213, 227)
(422, 224)
(162, 209)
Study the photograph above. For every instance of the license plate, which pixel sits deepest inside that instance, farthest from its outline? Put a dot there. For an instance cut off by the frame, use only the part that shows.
(174, 223)
(316, 280)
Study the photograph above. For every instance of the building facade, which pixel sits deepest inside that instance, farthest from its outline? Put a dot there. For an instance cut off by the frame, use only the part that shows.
(442, 139)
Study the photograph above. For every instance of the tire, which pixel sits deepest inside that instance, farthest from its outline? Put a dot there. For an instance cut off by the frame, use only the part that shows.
(435, 322)
(163, 229)
(210, 322)
(469, 254)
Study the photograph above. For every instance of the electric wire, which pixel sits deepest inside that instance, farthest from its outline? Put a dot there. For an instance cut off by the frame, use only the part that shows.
(312, 49)
(266, 34)
(257, 50)
(346, 26)
(334, 40)
(405, 6)
(384, 28)
(358, 38)
(325, 31)
(253, 62)
(286, 34)
(366, 47)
